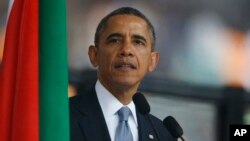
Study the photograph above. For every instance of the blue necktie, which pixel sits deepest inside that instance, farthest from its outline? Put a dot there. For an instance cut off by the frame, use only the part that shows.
(123, 132)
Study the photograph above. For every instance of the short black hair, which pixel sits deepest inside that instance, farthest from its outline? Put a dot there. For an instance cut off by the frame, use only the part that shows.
(124, 11)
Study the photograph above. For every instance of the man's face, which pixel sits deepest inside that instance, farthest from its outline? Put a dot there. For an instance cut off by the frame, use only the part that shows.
(124, 54)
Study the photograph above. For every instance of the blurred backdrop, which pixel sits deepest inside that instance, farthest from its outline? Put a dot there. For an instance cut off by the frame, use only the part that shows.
(203, 77)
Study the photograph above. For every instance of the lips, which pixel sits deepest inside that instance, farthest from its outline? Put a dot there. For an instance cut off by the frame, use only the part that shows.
(125, 65)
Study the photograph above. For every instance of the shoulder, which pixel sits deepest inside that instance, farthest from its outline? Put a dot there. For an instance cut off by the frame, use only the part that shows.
(161, 129)
(75, 102)
(82, 98)
(75, 108)
(84, 103)
(78, 105)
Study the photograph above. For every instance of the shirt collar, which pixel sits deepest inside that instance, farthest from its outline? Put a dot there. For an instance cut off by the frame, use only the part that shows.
(110, 104)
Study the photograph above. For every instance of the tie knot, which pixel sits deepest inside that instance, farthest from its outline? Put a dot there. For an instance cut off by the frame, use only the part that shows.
(123, 113)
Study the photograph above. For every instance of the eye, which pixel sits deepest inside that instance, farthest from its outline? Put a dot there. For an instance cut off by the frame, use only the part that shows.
(139, 42)
(114, 41)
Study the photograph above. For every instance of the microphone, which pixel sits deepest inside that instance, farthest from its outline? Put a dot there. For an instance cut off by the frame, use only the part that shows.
(142, 105)
(173, 126)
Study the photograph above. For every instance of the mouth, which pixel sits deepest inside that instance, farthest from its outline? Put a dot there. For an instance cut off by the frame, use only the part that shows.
(125, 66)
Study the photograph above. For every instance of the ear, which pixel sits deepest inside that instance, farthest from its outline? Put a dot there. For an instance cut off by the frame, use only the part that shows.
(93, 55)
(153, 61)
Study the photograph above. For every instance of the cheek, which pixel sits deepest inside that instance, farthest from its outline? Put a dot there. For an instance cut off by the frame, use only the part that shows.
(105, 60)
(145, 61)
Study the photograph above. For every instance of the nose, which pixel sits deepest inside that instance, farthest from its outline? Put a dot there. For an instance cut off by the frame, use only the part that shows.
(126, 50)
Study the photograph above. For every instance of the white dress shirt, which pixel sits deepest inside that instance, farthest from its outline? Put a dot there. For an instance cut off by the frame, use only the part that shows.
(110, 105)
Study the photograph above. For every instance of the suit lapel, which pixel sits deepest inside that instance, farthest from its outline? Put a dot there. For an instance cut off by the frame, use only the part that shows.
(92, 123)
(146, 132)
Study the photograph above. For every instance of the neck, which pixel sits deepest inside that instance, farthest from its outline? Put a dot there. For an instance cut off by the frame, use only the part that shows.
(124, 96)
(123, 93)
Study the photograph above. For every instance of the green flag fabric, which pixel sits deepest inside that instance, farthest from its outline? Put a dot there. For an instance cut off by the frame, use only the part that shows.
(53, 75)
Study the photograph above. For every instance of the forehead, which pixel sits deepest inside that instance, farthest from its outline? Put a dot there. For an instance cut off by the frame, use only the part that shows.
(126, 19)
(127, 23)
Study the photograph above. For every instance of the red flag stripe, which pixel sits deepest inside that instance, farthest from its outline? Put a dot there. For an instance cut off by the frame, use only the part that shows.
(19, 75)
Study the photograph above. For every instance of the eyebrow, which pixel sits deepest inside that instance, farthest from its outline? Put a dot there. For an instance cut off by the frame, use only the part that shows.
(114, 35)
(136, 36)
(140, 37)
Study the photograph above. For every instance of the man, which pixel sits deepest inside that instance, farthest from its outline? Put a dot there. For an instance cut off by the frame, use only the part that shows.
(123, 53)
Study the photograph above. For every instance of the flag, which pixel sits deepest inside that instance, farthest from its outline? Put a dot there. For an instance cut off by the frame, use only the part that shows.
(33, 76)
(19, 74)
(54, 119)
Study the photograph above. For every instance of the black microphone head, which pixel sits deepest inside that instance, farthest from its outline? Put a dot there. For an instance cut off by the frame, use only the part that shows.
(173, 127)
(141, 103)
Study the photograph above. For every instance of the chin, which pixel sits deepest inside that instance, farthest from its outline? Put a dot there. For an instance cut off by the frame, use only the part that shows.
(126, 82)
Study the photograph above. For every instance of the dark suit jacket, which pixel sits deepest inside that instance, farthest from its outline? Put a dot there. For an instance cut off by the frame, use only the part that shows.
(87, 121)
